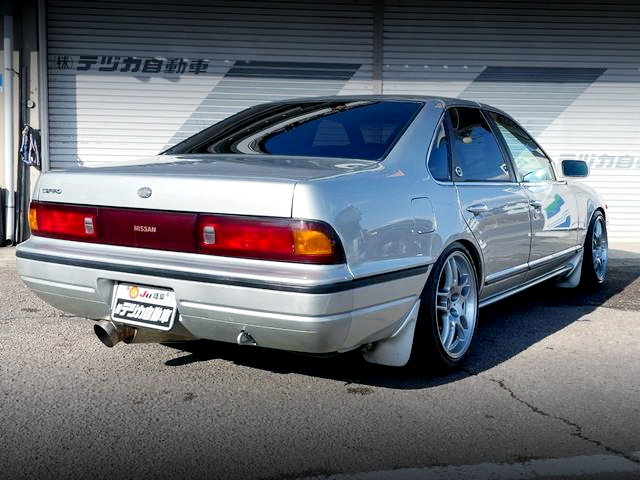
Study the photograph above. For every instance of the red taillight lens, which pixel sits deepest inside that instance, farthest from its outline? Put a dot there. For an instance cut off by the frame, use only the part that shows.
(269, 239)
(63, 221)
(277, 239)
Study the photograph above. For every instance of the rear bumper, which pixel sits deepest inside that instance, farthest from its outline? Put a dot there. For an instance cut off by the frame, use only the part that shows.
(313, 309)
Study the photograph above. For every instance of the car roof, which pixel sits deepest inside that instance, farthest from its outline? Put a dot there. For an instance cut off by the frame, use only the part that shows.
(447, 101)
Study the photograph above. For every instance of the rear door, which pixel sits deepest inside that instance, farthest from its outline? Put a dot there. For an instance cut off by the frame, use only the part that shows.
(494, 205)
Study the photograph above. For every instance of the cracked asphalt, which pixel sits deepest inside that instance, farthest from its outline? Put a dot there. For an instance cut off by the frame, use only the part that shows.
(554, 375)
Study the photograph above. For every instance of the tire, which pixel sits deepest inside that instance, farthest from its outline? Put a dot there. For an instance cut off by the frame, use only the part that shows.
(448, 315)
(596, 253)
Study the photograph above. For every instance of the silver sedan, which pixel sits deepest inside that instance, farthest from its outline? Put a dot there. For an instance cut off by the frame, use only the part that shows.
(318, 225)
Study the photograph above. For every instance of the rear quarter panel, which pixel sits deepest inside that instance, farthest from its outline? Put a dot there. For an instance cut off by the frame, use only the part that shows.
(392, 217)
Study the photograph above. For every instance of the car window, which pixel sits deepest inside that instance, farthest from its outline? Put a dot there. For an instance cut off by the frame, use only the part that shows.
(358, 129)
(439, 156)
(475, 151)
(330, 133)
(362, 131)
(529, 159)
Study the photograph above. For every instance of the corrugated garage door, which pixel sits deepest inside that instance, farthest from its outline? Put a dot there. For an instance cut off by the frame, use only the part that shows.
(127, 79)
(569, 71)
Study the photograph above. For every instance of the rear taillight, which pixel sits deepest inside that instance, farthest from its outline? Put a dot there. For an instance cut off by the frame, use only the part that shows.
(277, 239)
(263, 238)
(64, 221)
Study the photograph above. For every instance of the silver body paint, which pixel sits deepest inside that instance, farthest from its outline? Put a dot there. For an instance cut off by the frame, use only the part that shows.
(392, 219)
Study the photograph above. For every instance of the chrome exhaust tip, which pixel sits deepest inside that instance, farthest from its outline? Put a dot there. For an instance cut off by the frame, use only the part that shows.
(110, 334)
(244, 338)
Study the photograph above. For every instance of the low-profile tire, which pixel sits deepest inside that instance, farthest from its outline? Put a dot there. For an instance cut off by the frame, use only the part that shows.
(448, 315)
(596, 253)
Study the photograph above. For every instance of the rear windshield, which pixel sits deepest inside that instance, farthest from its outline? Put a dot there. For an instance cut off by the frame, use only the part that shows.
(361, 129)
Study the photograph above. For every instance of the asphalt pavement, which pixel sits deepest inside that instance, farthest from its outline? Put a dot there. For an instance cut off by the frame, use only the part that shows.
(551, 391)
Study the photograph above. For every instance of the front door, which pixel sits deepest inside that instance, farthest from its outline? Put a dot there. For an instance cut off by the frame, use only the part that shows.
(554, 214)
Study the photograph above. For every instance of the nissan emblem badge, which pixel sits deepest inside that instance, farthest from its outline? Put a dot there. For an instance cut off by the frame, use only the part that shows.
(144, 192)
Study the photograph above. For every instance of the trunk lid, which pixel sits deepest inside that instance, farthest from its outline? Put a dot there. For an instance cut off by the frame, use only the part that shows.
(236, 185)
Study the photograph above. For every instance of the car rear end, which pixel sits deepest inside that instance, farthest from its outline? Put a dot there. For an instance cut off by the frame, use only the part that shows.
(201, 242)
(189, 261)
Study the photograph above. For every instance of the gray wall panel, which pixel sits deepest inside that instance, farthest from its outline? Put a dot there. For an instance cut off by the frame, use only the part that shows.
(117, 89)
(569, 71)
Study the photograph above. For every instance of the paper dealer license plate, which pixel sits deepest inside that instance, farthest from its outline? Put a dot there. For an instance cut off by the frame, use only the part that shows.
(144, 306)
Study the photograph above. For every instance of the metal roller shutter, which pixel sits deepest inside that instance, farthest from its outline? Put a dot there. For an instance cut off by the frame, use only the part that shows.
(569, 71)
(127, 79)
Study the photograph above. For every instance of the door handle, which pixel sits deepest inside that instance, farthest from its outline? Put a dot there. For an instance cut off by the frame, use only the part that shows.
(477, 209)
(536, 204)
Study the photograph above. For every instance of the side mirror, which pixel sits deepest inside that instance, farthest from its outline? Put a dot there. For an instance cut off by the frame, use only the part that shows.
(575, 168)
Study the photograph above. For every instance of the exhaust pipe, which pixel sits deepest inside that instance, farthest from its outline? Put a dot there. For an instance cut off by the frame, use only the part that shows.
(244, 338)
(109, 333)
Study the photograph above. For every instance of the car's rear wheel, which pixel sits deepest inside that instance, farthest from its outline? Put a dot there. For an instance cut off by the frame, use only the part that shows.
(448, 313)
(596, 253)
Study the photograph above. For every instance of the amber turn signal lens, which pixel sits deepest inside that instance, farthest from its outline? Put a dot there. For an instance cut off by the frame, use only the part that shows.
(33, 219)
(312, 242)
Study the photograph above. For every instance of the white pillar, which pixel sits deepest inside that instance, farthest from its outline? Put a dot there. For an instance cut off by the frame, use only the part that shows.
(9, 156)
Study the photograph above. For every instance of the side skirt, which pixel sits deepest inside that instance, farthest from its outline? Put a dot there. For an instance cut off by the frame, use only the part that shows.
(563, 270)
